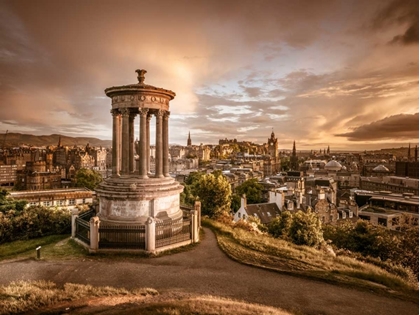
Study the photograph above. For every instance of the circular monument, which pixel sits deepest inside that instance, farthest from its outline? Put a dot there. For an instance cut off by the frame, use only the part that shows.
(132, 196)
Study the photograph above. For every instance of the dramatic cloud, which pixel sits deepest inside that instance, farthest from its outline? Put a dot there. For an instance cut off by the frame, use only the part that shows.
(308, 70)
(404, 13)
(403, 127)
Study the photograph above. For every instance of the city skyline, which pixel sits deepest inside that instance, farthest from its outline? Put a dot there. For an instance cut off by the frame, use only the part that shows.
(326, 73)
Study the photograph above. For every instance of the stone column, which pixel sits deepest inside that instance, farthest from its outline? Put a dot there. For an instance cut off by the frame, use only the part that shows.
(197, 207)
(94, 234)
(143, 143)
(159, 147)
(74, 216)
(125, 112)
(116, 126)
(195, 238)
(131, 147)
(165, 144)
(150, 234)
(149, 117)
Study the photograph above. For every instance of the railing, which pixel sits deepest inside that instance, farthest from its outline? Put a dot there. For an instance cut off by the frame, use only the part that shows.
(171, 232)
(83, 230)
(87, 215)
(124, 237)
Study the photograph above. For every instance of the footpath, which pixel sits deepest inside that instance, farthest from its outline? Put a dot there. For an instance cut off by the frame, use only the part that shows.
(206, 270)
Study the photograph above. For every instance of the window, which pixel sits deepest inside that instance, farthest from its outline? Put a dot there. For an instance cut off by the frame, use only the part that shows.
(72, 202)
(382, 221)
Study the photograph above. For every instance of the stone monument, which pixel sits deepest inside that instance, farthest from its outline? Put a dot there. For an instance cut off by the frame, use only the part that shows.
(131, 196)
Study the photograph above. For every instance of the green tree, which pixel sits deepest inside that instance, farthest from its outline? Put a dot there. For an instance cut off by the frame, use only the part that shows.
(306, 229)
(252, 189)
(280, 226)
(214, 192)
(87, 178)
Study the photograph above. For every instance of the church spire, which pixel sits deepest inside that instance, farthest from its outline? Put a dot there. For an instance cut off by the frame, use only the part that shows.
(409, 151)
(189, 139)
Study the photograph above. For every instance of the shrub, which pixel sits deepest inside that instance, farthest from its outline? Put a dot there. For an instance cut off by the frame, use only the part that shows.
(33, 222)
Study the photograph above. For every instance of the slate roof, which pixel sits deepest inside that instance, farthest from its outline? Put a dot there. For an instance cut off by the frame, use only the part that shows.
(264, 211)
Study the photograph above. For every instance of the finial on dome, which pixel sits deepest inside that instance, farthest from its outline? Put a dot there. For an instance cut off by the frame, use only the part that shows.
(141, 74)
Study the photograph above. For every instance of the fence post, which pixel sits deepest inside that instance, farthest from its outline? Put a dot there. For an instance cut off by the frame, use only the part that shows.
(74, 216)
(150, 234)
(194, 226)
(94, 234)
(197, 207)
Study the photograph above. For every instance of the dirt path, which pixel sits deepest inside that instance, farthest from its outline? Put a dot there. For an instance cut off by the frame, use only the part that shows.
(207, 270)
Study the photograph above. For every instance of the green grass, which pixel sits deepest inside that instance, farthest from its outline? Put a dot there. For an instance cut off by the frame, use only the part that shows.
(53, 246)
(276, 254)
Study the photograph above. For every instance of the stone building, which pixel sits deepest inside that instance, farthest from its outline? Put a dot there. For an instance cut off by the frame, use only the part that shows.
(60, 198)
(35, 176)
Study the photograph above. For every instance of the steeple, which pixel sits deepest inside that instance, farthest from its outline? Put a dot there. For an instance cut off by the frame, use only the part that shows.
(189, 139)
(416, 153)
(294, 159)
(59, 141)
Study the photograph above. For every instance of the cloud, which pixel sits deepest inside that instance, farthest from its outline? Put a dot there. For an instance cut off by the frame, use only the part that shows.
(401, 127)
(399, 12)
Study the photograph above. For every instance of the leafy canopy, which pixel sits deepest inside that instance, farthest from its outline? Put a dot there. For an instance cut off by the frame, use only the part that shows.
(87, 178)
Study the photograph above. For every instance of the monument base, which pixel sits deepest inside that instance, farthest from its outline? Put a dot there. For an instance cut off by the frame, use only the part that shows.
(132, 200)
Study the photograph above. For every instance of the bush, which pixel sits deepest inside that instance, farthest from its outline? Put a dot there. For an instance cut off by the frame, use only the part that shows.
(301, 228)
(33, 222)
(375, 241)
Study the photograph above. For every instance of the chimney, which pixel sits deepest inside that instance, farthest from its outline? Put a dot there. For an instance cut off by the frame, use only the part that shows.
(243, 201)
(321, 194)
(277, 198)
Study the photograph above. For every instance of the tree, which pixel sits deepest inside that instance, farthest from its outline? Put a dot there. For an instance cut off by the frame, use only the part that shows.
(87, 178)
(280, 226)
(252, 189)
(214, 192)
(306, 229)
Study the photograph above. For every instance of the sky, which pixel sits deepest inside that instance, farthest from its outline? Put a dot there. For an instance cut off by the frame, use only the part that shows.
(332, 73)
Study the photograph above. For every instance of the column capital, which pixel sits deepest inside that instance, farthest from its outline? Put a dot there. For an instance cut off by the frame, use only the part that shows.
(115, 112)
(143, 111)
(159, 113)
(125, 112)
(166, 115)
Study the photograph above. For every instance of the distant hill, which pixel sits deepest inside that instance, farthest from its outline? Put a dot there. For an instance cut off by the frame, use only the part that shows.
(18, 139)
(398, 152)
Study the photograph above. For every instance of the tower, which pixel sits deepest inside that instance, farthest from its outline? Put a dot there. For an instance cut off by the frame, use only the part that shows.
(294, 159)
(189, 139)
(273, 147)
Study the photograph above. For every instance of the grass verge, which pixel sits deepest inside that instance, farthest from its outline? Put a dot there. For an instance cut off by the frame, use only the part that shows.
(18, 297)
(57, 246)
(43, 297)
(276, 254)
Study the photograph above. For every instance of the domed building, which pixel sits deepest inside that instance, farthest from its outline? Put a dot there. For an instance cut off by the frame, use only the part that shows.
(380, 169)
(333, 165)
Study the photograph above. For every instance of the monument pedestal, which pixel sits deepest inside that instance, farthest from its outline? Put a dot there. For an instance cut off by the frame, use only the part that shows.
(131, 199)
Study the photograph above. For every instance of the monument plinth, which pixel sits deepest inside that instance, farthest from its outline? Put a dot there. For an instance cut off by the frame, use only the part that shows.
(130, 195)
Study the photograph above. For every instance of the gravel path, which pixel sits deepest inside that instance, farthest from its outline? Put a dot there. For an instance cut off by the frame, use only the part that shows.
(207, 270)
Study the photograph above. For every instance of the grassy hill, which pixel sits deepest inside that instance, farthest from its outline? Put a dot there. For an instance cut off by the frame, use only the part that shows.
(18, 139)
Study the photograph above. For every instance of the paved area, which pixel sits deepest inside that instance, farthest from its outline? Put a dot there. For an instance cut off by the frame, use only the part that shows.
(207, 270)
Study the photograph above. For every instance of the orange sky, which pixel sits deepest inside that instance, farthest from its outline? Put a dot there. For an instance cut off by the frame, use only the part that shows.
(337, 73)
